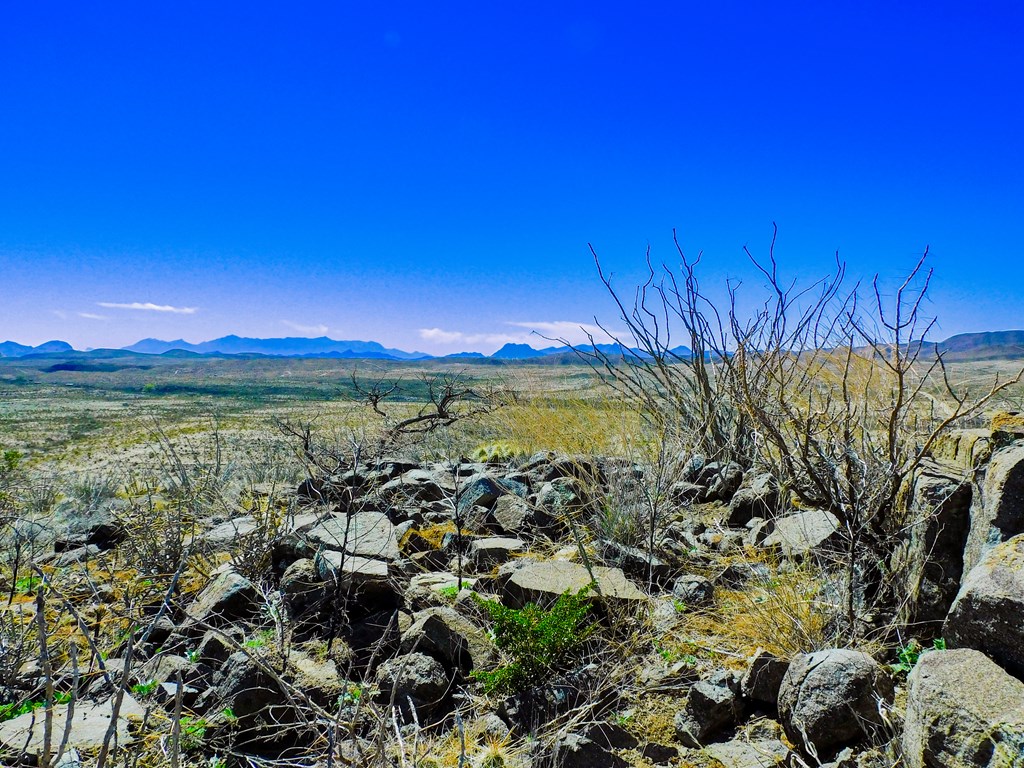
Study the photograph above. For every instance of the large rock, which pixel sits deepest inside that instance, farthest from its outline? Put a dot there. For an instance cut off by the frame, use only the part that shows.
(229, 597)
(513, 515)
(755, 753)
(758, 498)
(24, 736)
(365, 534)
(763, 679)
(965, 448)
(480, 491)
(830, 698)
(229, 532)
(492, 551)
(709, 708)
(98, 527)
(418, 485)
(451, 638)
(693, 590)
(416, 678)
(963, 711)
(542, 582)
(998, 513)
(351, 569)
(988, 614)
(576, 750)
(939, 507)
(805, 533)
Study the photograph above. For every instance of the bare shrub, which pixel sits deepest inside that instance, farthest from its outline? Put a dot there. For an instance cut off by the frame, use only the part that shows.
(839, 397)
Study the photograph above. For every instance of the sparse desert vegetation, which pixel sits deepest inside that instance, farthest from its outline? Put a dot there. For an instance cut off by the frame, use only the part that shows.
(743, 557)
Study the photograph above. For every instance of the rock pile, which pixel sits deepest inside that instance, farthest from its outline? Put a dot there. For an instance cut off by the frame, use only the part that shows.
(371, 605)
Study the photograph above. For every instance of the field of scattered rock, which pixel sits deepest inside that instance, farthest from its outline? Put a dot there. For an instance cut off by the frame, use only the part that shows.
(504, 609)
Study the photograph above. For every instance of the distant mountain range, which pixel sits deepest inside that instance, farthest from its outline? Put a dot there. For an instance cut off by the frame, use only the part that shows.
(13, 349)
(288, 347)
(967, 346)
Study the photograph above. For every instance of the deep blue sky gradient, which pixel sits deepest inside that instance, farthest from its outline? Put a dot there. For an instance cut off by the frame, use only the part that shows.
(373, 170)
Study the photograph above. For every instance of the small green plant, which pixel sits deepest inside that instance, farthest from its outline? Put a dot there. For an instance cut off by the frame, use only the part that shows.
(263, 639)
(229, 714)
(144, 689)
(11, 711)
(352, 696)
(9, 461)
(15, 709)
(26, 585)
(193, 731)
(908, 656)
(537, 641)
(672, 655)
(449, 593)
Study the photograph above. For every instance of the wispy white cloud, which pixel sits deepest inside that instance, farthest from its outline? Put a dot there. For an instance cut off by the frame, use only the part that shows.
(538, 334)
(148, 307)
(92, 316)
(309, 330)
(568, 330)
(61, 314)
(451, 338)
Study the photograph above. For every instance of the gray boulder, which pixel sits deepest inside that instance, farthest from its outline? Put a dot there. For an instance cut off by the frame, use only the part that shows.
(763, 679)
(512, 515)
(24, 736)
(720, 480)
(416, 678)
(365, 534)
(229, 532)
(542, 582)
(759, 498)
(803, 534)
(693, 590)
(480, 491)
(575, 750)
(988, 614)
(303, 588)
(709, 708)
(489, 552)
(752, 753)
(451, 638)
(963, 711)
(830, 698)
(229, 597)
(99, 527)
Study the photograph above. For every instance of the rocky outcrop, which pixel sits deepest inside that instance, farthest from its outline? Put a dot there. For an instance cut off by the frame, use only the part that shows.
(988, 614)
(998, 512)
(939, 511)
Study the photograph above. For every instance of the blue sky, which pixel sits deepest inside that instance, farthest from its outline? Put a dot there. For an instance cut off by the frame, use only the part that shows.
(429, 175)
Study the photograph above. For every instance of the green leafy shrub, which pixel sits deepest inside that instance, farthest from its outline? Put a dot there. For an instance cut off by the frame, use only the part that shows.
(536, 640)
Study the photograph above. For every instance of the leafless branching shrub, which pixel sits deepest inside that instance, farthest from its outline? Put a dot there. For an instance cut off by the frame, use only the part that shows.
(839, 398)
(448, 398)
